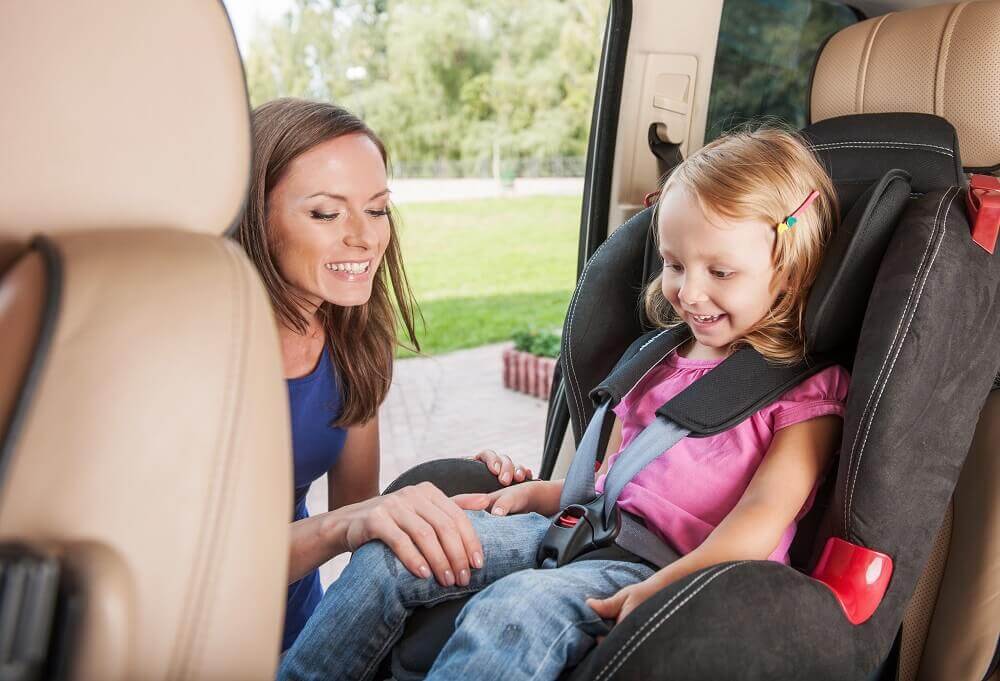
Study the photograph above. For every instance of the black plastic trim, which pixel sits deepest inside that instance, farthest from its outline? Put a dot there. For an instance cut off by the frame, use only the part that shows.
(603, 132)
(32, 377)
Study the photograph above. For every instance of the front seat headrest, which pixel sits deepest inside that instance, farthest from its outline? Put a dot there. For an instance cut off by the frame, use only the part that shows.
(928, 60)
(144, 135)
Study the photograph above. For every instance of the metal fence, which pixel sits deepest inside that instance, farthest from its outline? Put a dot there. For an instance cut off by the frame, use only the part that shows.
(556, 166)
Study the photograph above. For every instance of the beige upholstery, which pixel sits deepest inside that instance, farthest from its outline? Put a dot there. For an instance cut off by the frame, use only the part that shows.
(966, 622)
(133, 113)
(943, 59)
(154, 457)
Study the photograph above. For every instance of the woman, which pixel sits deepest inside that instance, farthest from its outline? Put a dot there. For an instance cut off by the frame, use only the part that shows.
(319, 229)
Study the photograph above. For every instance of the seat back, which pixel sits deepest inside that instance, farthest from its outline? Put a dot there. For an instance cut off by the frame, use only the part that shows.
(143, 416)
(939, 60)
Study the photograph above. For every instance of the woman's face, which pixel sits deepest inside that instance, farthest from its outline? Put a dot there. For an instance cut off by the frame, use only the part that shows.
(328, 221)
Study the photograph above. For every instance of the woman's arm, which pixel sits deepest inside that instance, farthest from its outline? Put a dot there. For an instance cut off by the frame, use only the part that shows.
(429, 532)
(354, 477)
(774, 497)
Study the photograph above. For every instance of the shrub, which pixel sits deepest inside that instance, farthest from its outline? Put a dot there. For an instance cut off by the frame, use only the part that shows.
(537, 342)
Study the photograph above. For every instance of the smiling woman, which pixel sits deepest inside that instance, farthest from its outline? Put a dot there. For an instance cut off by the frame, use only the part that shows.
(320, 231)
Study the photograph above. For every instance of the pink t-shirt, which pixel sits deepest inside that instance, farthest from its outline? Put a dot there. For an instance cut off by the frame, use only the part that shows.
(685, 493)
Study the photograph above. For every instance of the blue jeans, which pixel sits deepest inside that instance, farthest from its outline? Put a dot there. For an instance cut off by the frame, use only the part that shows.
(525, 623)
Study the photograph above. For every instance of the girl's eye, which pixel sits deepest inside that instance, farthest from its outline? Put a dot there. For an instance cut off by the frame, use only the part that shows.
(673, 266)
(326, 217)
(378, 213)
(719, 274)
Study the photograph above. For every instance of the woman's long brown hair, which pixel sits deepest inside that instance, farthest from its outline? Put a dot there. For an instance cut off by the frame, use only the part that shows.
(361, 339)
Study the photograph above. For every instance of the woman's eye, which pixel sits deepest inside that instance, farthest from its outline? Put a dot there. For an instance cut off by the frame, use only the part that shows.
(316, 215)
(378, 213)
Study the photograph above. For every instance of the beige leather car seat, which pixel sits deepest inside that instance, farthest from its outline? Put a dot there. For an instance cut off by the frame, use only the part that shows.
(143, 417)
(943, 60)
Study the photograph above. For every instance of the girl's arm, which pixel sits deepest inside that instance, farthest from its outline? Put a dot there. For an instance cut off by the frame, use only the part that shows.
(542, 496)
(751, 531)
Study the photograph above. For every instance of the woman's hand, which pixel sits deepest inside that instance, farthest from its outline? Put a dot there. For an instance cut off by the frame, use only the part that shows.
(619, 606)
(502, 467)
(428, 532)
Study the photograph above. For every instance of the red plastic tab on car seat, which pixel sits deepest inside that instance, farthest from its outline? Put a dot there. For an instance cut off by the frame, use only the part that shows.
(857, 576)
(982, 203)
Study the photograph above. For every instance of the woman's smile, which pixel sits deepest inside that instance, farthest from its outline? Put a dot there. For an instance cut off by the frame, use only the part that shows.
(351, 270)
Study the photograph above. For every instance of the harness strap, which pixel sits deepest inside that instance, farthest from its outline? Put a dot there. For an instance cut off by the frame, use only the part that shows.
(640, 540)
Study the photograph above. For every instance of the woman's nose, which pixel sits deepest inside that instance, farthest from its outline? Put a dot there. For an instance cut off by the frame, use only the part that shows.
(359, 233)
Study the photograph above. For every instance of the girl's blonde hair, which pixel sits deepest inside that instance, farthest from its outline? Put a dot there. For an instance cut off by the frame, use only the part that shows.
(762, 174)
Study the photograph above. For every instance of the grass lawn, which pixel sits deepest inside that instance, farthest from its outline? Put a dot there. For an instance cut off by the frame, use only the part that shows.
(482, 269)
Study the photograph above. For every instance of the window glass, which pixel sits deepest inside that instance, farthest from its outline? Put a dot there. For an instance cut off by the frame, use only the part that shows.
(764, 59)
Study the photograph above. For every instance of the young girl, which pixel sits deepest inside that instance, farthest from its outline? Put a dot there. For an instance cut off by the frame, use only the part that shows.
(736, 274)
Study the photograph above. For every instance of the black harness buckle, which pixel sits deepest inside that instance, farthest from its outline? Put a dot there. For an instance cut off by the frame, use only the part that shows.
(578, 530)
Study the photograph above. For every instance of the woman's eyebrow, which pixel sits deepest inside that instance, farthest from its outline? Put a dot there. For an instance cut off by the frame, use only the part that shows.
(340, 197)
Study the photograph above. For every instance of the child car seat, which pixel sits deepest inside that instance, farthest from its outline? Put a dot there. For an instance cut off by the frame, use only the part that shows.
(913, 362)
(692, 629)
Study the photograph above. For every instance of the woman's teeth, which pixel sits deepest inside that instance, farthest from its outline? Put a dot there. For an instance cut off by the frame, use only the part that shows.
(351, 267)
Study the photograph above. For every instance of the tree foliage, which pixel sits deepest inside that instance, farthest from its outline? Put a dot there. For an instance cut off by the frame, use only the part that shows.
(442, 79)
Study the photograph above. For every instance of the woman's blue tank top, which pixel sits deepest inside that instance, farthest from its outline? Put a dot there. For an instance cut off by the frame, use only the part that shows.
(315, 401)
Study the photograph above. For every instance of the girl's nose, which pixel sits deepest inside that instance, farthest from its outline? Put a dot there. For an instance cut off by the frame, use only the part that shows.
(691, 293)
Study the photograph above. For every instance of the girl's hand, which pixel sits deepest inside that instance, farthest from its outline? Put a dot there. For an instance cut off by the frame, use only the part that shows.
(619, 606)
(515, 499)
(502, 467)
(427, 531)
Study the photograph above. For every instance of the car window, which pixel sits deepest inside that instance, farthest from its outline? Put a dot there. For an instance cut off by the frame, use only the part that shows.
(765, 57)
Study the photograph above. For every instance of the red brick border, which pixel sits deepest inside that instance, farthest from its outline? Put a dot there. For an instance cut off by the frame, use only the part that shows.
(528, 373)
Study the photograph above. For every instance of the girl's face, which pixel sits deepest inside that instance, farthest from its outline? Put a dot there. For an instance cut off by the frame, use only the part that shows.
(328, 221)
(717, 272)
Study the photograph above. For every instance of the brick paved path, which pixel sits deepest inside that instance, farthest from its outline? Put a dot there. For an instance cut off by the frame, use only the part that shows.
(446, 406)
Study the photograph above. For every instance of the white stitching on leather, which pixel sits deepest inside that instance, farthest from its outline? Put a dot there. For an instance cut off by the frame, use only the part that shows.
(643, 346)
(894, 349)
(628, 653)
(878, 377)
(867, 146)
(882, 144)
(649, 621)
(577, 402)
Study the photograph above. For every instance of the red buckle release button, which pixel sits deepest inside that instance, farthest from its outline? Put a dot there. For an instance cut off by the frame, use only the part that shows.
(982, 203)
(567, 520)
(857, 576)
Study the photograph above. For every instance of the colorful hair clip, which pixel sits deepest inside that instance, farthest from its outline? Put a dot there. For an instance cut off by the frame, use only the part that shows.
(790, 221)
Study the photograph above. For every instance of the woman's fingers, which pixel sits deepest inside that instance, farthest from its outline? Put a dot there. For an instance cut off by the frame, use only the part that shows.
(422, 534)
(404, 548)
(454, 531)
(466, 532)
